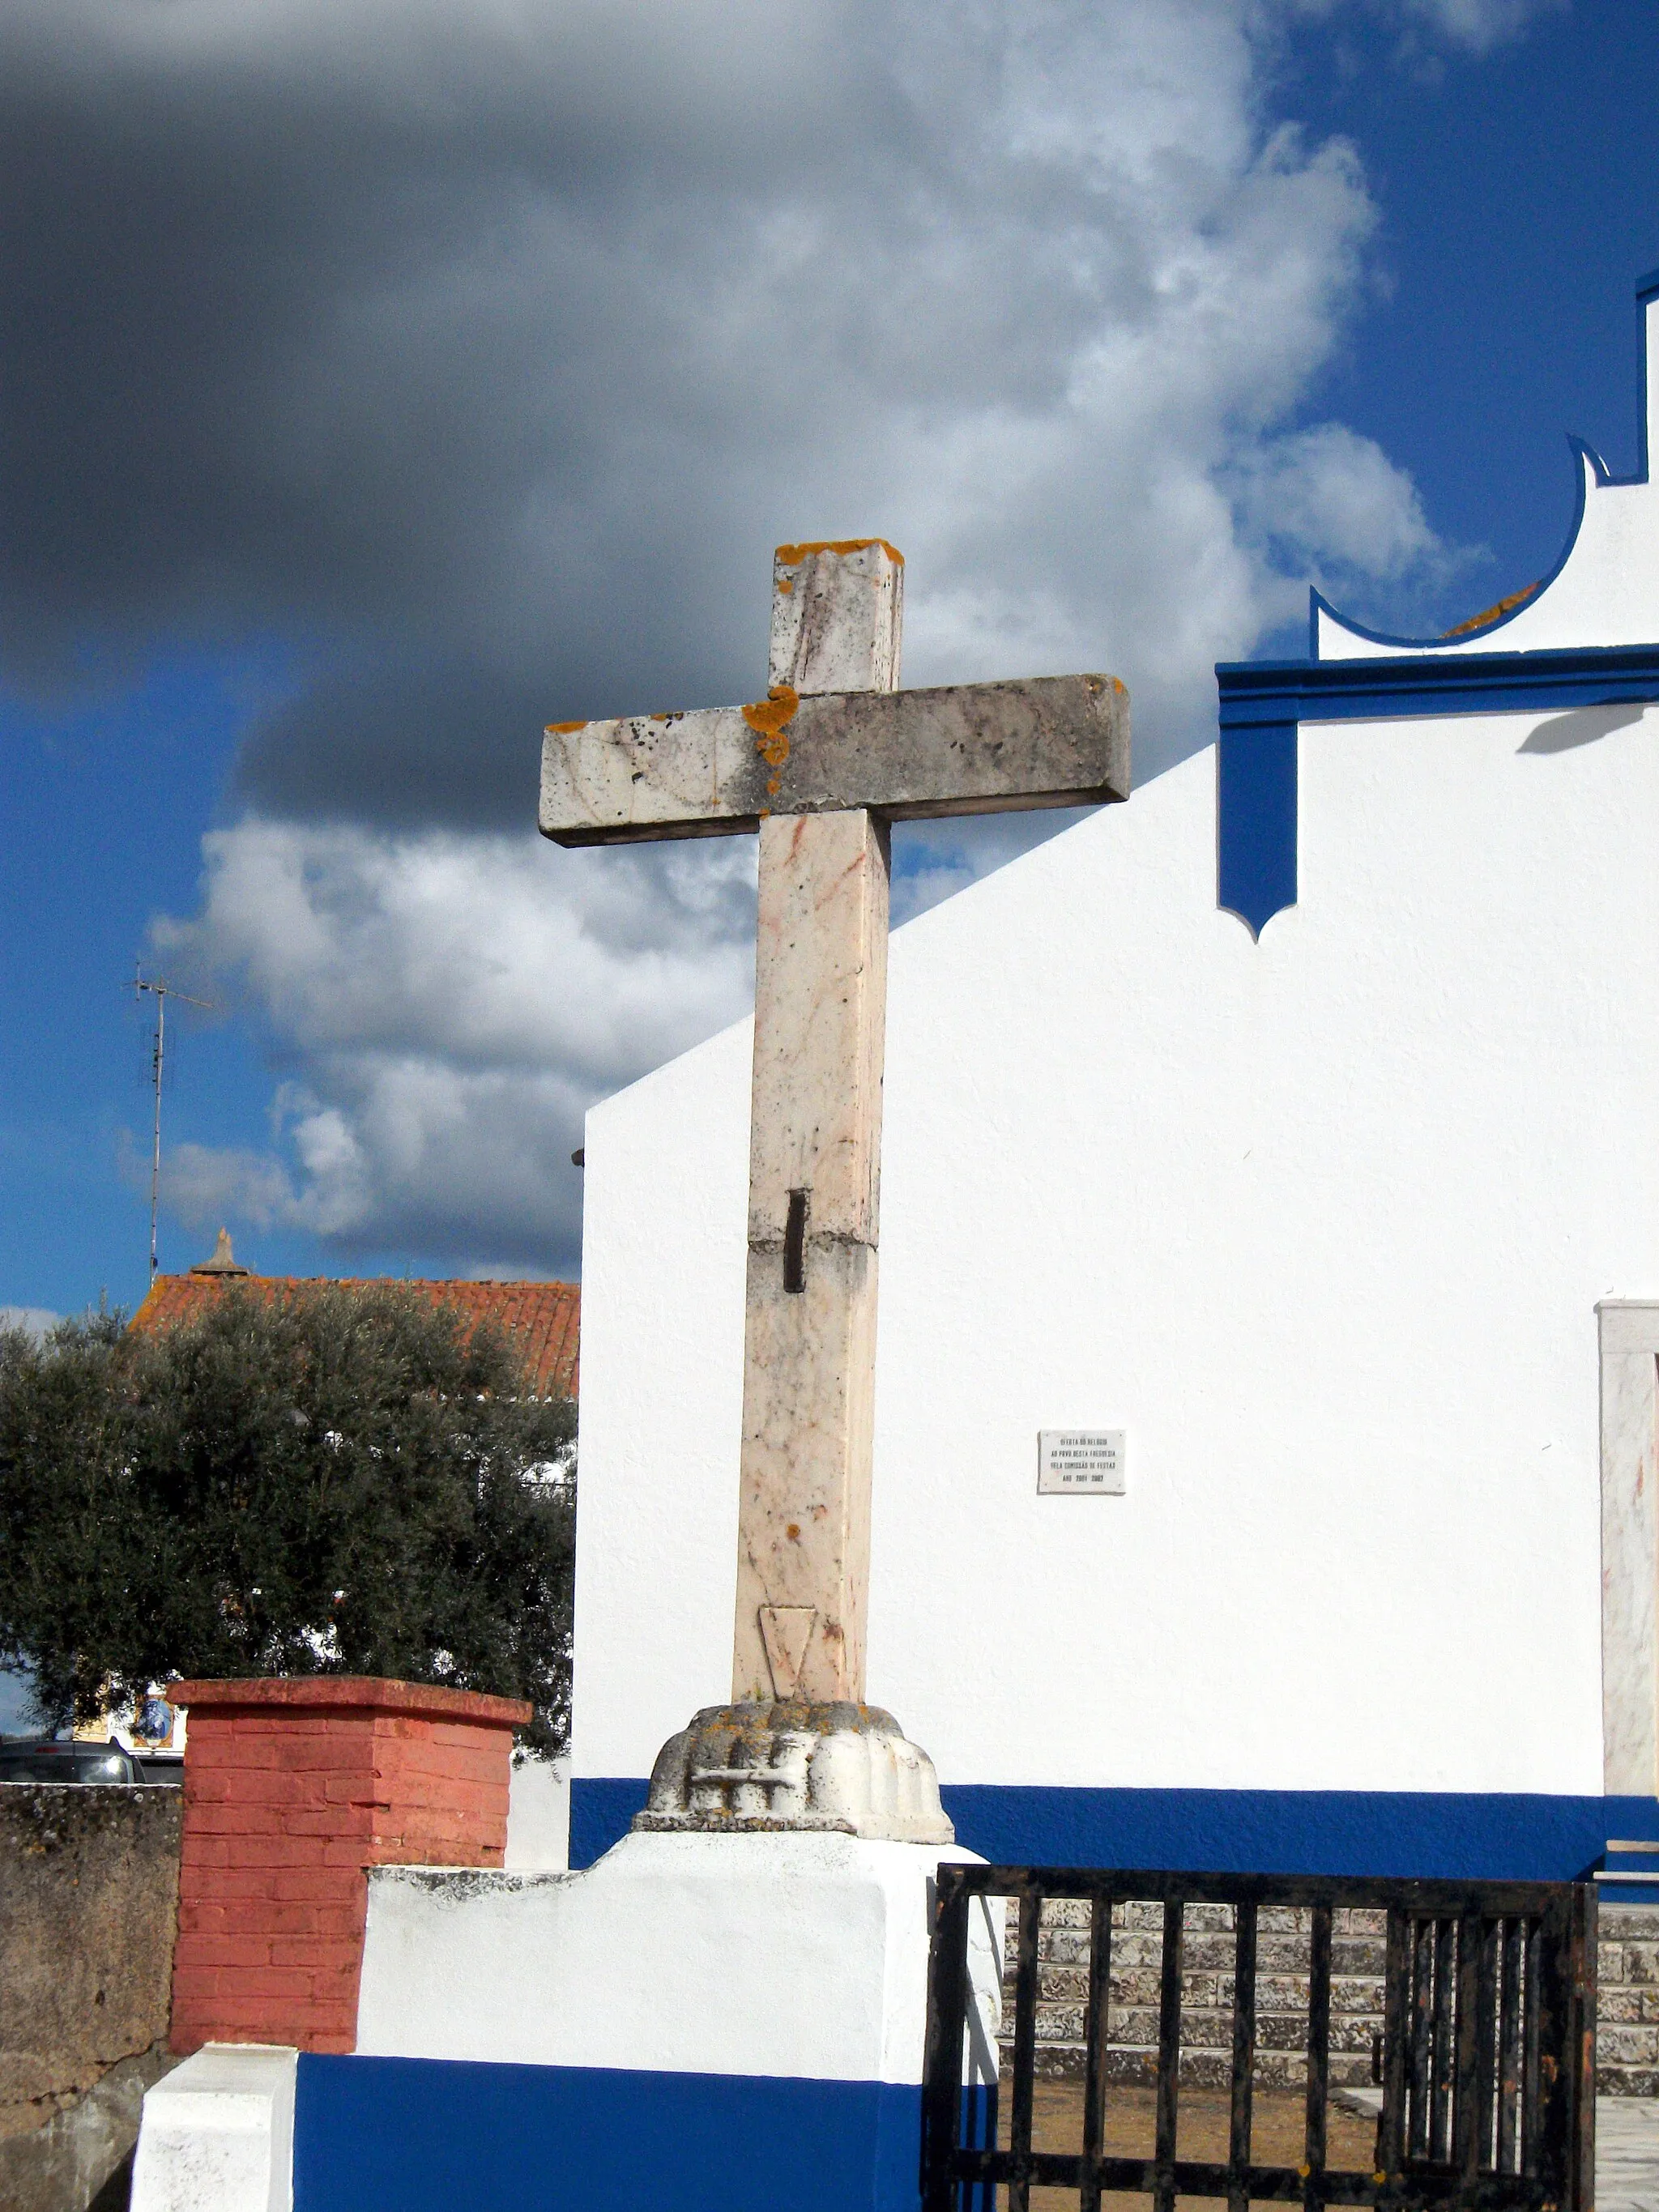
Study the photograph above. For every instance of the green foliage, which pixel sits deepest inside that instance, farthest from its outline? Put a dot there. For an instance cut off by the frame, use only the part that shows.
(322, 1480)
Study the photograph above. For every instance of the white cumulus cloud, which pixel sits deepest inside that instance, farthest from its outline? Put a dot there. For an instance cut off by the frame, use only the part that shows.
(33, 1321)
(450, 1005)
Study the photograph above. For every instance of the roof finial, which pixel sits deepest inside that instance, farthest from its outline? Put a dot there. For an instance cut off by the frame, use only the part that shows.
(224, 1261)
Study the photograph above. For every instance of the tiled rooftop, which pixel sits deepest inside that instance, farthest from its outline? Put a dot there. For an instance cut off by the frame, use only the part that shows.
(545, 1317)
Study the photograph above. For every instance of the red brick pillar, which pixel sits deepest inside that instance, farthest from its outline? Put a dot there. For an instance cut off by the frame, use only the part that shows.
(293, 1791)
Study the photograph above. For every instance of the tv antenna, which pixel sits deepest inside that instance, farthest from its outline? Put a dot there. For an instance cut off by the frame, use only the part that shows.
(160, 992)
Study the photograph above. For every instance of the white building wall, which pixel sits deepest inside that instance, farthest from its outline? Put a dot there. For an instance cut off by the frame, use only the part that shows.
(674, 1954)
(1322, 1222)
(537, 1816)
(665, 1210)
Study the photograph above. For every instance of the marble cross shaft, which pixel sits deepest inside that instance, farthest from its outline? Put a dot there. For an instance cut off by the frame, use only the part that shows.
(821, 767)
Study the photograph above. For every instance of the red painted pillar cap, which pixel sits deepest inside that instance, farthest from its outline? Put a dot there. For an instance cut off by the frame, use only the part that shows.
(356, 1694)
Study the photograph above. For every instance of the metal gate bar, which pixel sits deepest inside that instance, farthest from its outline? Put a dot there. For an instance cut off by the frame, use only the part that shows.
(1487, 2061)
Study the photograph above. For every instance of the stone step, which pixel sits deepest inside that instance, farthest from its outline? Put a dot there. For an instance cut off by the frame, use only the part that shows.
(1211, 2069)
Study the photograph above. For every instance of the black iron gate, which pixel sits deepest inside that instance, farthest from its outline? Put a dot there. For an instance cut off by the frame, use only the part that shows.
(1487, 2057)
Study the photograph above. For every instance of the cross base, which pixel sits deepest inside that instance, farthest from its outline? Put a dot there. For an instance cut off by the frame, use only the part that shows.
(765, 1768)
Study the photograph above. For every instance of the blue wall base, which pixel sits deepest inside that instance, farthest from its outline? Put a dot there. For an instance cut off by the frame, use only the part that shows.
(423, 2135)
(1423, 1833)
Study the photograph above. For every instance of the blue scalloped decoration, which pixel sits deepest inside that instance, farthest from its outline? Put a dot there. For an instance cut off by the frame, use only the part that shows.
(1646, 290)
(1261, 703)
(1582, 453)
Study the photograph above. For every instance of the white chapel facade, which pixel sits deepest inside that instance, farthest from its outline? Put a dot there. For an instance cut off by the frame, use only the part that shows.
(1299, 1121)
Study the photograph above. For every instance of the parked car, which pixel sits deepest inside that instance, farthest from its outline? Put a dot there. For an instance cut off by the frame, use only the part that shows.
(50, 1758)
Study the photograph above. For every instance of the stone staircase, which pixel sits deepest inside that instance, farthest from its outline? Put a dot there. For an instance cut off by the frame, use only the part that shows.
(1627, 2052)
(1627, 2000)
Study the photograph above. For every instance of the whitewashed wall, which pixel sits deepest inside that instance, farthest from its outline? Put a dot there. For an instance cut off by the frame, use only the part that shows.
(1322, 1222)
(538, 1816)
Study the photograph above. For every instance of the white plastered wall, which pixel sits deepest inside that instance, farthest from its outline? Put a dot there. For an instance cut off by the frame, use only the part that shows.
(672, 1954)
(1322, 1222)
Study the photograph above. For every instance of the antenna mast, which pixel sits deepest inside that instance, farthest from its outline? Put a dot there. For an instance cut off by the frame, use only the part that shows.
(160, 992)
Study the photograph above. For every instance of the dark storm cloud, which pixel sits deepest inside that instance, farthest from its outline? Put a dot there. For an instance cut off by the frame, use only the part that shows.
(484, 350)
(408, 728)
(325, 316)
(291, 298)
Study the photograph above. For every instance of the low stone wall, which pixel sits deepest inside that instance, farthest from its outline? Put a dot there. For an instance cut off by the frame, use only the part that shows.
(81, 2160)
(88, 1889)
(1627, 2033)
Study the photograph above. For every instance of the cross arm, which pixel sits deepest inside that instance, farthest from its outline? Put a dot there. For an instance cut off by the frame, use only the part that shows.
(907, 756)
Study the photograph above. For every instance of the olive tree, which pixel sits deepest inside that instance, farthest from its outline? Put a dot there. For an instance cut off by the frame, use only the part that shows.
(319, 1479)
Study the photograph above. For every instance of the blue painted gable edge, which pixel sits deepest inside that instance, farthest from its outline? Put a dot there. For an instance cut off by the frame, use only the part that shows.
(1255, 813)
(1525, 1836)
(1258, 693)
(1583, 456)
(1263, 702)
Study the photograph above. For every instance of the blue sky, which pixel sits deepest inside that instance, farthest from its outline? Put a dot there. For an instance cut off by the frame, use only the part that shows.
(108, 804)
(1520, 199)
(474, 507)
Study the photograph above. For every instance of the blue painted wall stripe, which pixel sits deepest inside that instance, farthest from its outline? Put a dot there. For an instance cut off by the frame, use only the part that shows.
(1426, 1833)
(421, 2135)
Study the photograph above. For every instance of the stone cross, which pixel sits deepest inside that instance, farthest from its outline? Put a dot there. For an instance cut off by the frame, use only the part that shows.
(821, 767)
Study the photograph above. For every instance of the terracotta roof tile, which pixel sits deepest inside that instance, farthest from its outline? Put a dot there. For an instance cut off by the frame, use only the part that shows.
(545, 1317)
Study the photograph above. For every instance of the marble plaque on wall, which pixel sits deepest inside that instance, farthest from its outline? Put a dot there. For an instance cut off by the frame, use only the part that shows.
(1080, 1462)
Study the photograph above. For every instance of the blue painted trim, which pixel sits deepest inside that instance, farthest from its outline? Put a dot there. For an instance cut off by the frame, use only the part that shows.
(1255, 821)
(1256, 694)
(1263, 702)
(1647, 289)
(1425, 1833)
(424, 2134)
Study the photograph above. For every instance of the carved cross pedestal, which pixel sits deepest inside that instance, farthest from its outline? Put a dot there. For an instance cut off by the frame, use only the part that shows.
(820, 767)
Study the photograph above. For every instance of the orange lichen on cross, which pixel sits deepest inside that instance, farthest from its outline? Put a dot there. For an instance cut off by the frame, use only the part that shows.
(790, 556)
(563, 729)
(769, 717)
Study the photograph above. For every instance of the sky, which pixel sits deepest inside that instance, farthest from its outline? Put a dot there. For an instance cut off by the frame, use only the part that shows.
(377, 385)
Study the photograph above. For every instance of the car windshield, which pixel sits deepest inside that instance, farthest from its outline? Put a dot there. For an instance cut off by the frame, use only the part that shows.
(34, 1765)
